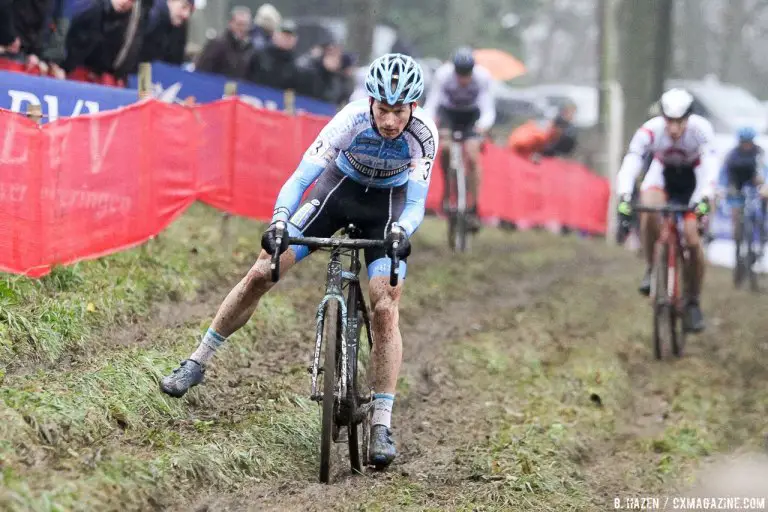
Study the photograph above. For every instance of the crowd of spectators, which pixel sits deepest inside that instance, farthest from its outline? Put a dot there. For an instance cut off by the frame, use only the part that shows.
(264, 52)
(103, 41)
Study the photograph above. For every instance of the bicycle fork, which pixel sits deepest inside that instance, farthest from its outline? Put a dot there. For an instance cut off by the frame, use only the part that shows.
(457, 163)
(333, 291)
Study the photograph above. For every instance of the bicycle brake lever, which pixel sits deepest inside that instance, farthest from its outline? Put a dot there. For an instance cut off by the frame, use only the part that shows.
(394, 271)
(275, 263)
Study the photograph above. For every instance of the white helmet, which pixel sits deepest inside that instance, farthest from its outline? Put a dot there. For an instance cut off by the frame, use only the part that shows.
(676, 104)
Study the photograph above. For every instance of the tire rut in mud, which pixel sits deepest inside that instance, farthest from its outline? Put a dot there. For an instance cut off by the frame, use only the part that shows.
(427, 421)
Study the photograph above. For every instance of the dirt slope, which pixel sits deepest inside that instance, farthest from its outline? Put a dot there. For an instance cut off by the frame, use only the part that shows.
(527, 384)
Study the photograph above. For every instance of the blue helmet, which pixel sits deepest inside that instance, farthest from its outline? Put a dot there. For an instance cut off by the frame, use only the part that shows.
(395, 79)
(464, 61)
(746, 134)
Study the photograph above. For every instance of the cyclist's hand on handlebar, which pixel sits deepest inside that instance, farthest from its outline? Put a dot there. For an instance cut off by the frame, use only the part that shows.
(702, 208)
(268, 239)
(397, 234)
(624, 207)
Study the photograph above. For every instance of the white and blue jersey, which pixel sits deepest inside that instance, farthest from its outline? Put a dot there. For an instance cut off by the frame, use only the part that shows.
(350, 143)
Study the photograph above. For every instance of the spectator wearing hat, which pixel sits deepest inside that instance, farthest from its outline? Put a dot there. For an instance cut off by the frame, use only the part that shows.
(275, 64)
(230, 54)
(166, 36)
(265, 23)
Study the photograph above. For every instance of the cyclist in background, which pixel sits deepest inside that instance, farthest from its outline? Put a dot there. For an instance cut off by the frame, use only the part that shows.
(683, 171)
(461, 99)
(372, 165)
(743, 167)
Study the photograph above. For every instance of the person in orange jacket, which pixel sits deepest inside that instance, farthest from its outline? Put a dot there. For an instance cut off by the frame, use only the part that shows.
(531, 139)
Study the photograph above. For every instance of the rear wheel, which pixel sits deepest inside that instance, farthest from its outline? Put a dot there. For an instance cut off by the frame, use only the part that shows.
(330, 342)
(751, 256)
(355, 323)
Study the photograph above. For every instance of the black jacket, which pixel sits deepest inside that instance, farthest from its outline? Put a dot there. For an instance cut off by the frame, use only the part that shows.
(274, 67)
(226, 55)
(29, 20)
(163, 41)
(7, 30)
(96, 35)
(316, 81)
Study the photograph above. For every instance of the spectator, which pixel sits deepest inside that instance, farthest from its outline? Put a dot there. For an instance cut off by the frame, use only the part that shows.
(535, 139)
(563, 133)
(265, 23)
(529, 139)
(348, 61)
(9, 42)
(322, 78)
(275, 64)
(230, 54)
(104, 40)
(166, 36)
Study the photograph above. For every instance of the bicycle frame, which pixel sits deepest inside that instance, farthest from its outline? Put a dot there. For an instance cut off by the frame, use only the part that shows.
(457, 167)
(333, 291)
(670, 236)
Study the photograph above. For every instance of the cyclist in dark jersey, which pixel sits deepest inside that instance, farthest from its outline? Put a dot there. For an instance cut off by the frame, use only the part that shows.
(743, 167)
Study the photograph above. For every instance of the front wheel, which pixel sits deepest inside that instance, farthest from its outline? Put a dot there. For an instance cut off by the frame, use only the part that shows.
(665, 317)
(330, 341)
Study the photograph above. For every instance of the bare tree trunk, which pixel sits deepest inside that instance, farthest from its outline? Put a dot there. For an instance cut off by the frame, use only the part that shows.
(463, 22)
(641, 75)
(732, 22)
(663, 49)
(361, 21)
(695, 34)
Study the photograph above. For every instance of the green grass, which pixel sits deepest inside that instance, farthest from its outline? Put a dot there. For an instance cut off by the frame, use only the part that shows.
(540, 400)
(40, 320)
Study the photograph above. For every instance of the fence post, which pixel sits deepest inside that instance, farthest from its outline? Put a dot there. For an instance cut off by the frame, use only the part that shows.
(289, 102)
(35, 113)
(145, 80)
(230, 90)
(145, 91)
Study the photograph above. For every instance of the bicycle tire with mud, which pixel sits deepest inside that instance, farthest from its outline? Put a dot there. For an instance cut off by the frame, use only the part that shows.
(331, 339)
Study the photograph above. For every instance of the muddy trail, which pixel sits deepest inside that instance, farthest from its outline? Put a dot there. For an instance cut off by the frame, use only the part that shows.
(527, 384)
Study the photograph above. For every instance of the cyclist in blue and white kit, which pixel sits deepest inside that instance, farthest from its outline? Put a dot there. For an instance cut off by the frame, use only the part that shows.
(371, 166)
(743, 168)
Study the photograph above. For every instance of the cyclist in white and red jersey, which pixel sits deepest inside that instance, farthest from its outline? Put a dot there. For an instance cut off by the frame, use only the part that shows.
(461, 99)
(683, 171)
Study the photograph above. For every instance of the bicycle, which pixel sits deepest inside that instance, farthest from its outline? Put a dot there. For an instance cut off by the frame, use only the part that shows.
(749, 246)
(458, 217)
(343, 404)
(670, 254)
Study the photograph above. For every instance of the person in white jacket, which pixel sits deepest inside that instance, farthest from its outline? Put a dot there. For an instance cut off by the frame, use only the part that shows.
(684, 171)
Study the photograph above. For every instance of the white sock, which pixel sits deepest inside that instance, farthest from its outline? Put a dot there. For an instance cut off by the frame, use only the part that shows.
(211, 341)
(382, 409)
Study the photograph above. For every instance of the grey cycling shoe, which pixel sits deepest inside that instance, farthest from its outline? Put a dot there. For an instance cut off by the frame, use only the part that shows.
(381, 452)
(190, 373)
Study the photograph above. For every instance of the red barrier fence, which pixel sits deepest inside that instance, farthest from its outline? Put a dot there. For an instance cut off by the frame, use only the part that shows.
(87, 186)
